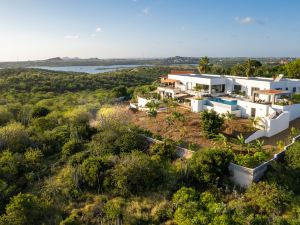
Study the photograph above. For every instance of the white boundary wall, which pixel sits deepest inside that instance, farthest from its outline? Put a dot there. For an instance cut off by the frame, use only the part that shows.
(244, 176)
(293, 109)
(275, 126)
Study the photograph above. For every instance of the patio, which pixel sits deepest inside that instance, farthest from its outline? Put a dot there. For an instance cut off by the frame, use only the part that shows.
(272, 95)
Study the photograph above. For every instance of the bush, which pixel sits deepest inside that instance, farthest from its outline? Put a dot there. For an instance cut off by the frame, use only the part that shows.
(210, 166)
(39, 111)
(93, 170)
(5, 116)
(136, 173)
(117, 140)
(25, 209)
(292, 156)
(251, 161)
(14, 137)
(165, 150)
(71, 147)
(211, 123)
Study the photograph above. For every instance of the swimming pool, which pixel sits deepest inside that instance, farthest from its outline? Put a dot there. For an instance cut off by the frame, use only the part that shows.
(220, 100)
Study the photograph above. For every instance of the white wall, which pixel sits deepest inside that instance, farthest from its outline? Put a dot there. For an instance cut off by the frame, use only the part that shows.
(261, 110)
(143, 101)
(197, 105)
(248, 84)
(240, 175)
(277, 125)
(293, 109)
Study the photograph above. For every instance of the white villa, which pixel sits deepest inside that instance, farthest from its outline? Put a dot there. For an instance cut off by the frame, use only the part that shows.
(266, 98)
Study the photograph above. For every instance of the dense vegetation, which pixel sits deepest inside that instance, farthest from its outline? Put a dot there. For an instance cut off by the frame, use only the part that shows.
(68, 157)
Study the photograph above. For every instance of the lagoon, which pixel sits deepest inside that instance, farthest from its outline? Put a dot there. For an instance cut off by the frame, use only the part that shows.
(87, 69)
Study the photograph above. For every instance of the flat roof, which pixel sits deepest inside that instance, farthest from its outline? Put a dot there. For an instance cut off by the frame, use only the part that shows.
(200, 76)
(215, 76)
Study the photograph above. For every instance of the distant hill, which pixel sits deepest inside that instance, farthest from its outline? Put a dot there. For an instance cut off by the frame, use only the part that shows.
(177, 60)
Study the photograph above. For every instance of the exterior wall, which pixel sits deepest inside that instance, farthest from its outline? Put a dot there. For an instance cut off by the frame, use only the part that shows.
(230, 81)
(277, 125)
(240, 175)
(142, 102)
(197, 105)
(287, 85)
(294, 110)
(248, 84)
(245, 107)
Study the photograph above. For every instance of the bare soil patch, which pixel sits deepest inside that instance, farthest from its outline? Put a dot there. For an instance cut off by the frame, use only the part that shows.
(189, 131)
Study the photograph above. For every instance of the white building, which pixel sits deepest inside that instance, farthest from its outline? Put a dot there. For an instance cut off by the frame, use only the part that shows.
(221, 84)
(242, 96)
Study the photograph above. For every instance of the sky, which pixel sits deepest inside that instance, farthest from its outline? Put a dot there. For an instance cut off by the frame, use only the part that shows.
(41, 29)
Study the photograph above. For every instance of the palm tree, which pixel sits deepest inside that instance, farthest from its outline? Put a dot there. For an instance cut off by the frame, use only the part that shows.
(259, 144)
(203, 65)
(257, 122)
(248, 68)
(240, 139)
(221, 138)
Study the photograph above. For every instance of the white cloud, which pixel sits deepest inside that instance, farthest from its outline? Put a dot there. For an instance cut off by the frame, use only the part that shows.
(245, 20)
(99, 29)
(93, 35)
(71, 37)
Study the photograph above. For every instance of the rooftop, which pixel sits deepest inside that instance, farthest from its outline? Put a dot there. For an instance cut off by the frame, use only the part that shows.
(215, 76)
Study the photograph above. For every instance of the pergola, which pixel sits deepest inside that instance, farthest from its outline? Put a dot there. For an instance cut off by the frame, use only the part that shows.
(270, 93)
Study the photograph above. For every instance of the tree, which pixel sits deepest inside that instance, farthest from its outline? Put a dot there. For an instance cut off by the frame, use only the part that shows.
(93, 171)
(293, 69)
(120, 91)
(210, 166)
(251, 66)
(203, 66)
(25, 209)
(238, 70)
(211, 123)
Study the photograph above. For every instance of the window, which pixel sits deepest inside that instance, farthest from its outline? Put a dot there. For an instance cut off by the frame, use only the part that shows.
(237, 87)
(286, 89)
(254, 89)
(294, 89)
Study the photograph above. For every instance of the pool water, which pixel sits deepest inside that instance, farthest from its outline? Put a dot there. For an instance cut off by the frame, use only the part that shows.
(227, 102)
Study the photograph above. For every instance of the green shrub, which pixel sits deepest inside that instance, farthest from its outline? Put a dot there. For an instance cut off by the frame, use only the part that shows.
(211, 123)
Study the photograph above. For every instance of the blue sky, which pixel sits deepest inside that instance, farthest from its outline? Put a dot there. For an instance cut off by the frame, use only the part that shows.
(38, 29)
